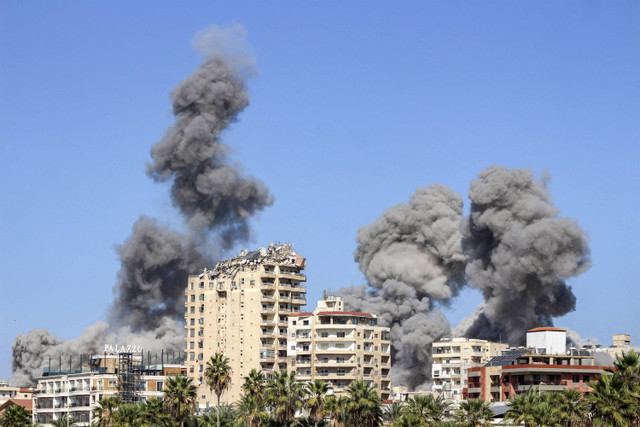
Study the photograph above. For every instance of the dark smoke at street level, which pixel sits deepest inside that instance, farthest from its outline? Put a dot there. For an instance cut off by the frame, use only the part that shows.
(214, 197)
(512, 246)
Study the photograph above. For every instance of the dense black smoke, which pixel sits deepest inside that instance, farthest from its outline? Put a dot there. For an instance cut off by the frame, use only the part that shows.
(412, 258)
(214, 197)
(512, 247)
(520, 254)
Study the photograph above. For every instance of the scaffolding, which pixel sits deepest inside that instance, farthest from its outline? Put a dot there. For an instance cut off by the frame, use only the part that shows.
(128, 378)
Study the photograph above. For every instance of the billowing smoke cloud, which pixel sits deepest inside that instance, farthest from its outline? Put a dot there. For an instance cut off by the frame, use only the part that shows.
(520, 254)
(214, 197)
(412, 258)
(512, 246)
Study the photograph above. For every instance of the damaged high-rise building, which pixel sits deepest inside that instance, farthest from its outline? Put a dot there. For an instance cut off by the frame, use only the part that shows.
(241, 309)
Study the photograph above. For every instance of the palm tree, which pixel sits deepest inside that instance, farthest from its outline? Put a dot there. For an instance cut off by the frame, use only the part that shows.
(409, 420)
(285, 396)
(180, 397)
(153, 413)
(521, 408)
(218, 377)
(251, 409)
(573, 408)
(63, 422)
(129, 415)
(336, 408)
(105, 410)
(428, 408)
(474, 412)
(393, 411)
(15, 416)
(612, 403)
(228, 416)
(316, 392)
(254, 384)
(363, 405)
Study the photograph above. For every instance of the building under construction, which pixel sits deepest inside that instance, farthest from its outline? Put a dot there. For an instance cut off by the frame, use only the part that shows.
(73, 387)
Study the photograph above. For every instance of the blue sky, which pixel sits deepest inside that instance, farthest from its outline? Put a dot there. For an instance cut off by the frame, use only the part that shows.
(354, 106)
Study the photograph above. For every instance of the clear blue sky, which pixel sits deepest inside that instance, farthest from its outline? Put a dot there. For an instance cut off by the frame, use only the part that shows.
(355, 105)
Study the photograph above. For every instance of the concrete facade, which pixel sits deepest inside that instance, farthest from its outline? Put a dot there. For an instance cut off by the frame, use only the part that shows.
(339, 347)
(241, 309)
(452, 358)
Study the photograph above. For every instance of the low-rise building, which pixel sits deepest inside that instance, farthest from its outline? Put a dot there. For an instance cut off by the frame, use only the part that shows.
(452, 358)
(76, 392)
(545, 366)
(10, 392)
(339, 347)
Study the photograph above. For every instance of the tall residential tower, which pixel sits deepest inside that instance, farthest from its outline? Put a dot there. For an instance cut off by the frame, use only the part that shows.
(241, 309)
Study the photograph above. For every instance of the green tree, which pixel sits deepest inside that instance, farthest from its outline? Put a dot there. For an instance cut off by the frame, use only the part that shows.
(612, 402)
(218, 377)
(180, 398)
(228, 416)
(336, 408)
(254, 384)
(251, 409)
(409, 420)
(285, 396)
(474, 412)
(63, 422)
(428, 408)
(106, 410)
(129, 415)
(316, 393)
(521, 407)
(573, 408)
(392, 411)
(363, 408)
(154, 414)
(15, 416)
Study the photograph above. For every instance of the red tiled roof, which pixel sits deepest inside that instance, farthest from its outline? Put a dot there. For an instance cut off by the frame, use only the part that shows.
(25, 390)
(304, 313)
(25, 403)
(344, 313)
(546, 328)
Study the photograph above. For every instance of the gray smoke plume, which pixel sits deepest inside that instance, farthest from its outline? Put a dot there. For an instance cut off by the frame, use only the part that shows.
(412, 258)
(512, 246)
(520, 254)
(214, 197)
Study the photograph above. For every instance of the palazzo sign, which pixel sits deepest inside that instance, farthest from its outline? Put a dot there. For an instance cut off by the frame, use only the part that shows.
(115, 348)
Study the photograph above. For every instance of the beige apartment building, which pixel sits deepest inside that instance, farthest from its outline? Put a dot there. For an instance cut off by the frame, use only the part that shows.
(241, 309)
(452, 358)
(339, 346)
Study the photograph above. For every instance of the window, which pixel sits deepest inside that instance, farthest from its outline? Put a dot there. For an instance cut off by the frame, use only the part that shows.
(192, 322)
(355, 322)
(201, 285)
(293, 347)
(159, 386)
(113, 384)
(252, 282)
(585, 378)
(193, 298)
(201, 297)
(192, 333)
(576, 378)
(372, 322)
(294, 323)
(192, 310)
(192, 345)
(341, 334)
(306, 322)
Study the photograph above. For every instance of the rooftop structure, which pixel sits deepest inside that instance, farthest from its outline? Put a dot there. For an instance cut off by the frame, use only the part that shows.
(551, 340)
(241, 309)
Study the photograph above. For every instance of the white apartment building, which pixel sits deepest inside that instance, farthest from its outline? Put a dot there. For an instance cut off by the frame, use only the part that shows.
(76, 392)
(241, 309)
(339, 346)
(452, 358)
